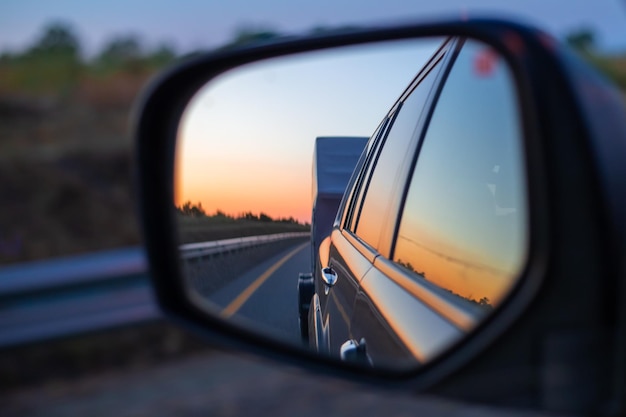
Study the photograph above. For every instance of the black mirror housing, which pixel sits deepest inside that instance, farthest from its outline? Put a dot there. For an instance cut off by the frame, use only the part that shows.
(563, 315)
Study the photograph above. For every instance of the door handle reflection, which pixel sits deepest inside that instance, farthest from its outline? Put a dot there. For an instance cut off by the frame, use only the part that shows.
(353, 351)
(329, 276)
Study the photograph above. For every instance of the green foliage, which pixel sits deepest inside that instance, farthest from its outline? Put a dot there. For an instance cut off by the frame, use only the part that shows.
(122, 53)
(248, 35)
(127, 54)
(614, 68)
(164, 54)
(51, 65)
(123, 48)
(583, 40)
(327, 30)
(58, 39)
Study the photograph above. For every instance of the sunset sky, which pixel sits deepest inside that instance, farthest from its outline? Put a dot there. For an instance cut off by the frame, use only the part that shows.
(246, 142)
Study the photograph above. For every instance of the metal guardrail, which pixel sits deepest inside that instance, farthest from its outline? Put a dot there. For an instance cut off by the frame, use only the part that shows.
(209, 266)
(195, 250)
(47, 299)
(54, 298)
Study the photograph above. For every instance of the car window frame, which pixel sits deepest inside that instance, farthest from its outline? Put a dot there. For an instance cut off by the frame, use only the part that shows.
(366, 173)
(435, 95)
(346, 207)
(458, 48)
(441, 57)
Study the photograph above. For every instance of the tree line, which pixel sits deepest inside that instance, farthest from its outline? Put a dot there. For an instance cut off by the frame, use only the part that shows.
(56, 61)
(59, 41)
(584, 41)
(189, 209)
(57, 58)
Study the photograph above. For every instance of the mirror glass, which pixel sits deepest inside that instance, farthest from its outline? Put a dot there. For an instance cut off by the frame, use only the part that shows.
(366, 202)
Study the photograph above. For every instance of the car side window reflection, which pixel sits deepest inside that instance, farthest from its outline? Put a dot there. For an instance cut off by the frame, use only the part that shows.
(464, 225)
(347, 206)
(380, 189)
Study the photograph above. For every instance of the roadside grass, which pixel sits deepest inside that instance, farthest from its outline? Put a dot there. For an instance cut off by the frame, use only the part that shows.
(66, 204)
(614, 67)
(66, 171)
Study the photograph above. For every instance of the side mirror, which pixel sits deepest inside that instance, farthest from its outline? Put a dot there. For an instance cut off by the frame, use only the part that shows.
(378, 203)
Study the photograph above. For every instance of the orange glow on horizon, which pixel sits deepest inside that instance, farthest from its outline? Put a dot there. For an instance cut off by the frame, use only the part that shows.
(449, 270)
(241, 194)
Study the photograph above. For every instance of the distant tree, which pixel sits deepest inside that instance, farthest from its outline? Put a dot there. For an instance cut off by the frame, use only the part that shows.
(265, 218)
(122, 53)
(321, 29)
(289, 220)
(407, 265)
(247, 35)
(583, 40)
(57, 39)
(192, 54)
(122, 48)
(613, 66)
(249, 216)
(192, 210)
(52, 64)
(6, 57)
(162, 55)
(219, 214)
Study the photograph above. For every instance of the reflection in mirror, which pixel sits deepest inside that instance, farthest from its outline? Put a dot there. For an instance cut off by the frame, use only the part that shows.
(266, 152)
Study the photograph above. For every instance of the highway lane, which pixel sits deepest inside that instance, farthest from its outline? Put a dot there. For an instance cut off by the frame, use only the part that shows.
(266, 296)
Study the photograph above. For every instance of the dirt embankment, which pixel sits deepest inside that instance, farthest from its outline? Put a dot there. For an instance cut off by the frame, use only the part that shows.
(66, 170)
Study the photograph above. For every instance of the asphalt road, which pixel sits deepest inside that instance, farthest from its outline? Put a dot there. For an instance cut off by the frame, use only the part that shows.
(230, 386)
(266, 297)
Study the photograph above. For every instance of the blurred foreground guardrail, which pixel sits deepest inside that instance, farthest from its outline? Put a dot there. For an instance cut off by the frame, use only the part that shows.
(61, 297)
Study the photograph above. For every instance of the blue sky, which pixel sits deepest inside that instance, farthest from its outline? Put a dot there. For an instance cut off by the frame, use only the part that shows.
(190, 24)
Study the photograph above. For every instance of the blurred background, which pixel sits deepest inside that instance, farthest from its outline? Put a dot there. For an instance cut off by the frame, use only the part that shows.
(69, 75)
(70, 72)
